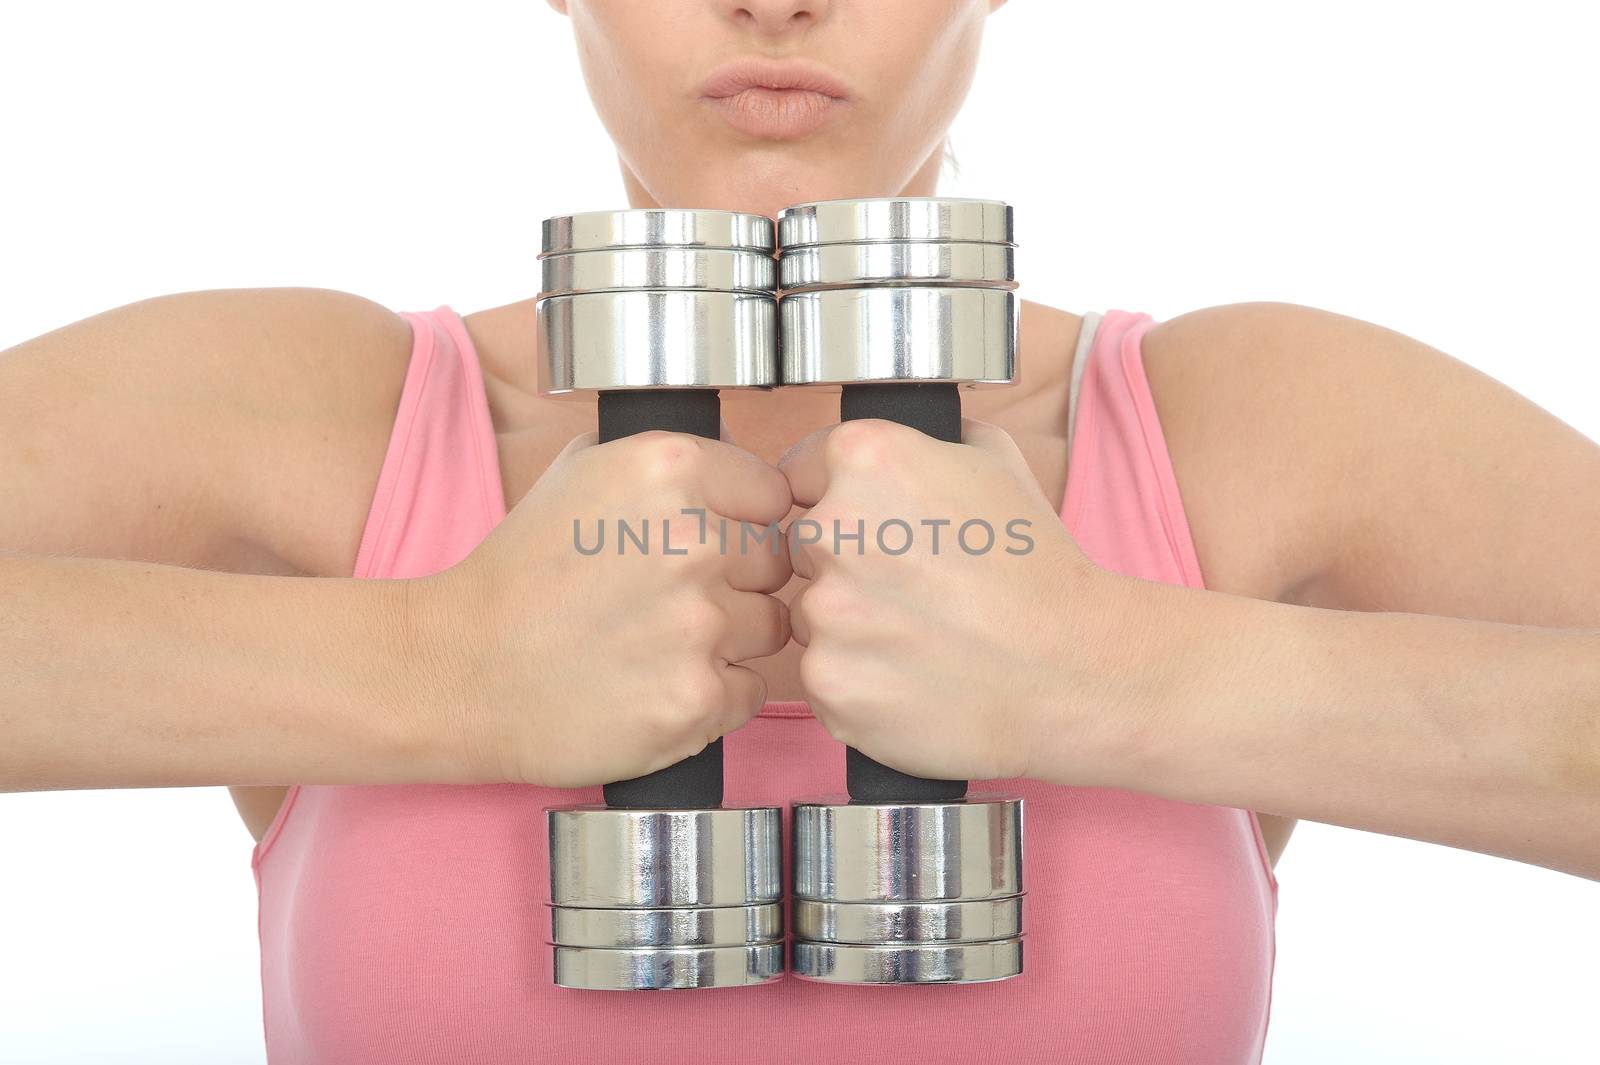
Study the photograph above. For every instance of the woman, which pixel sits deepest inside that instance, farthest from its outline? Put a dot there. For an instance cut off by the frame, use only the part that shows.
(1144, 714)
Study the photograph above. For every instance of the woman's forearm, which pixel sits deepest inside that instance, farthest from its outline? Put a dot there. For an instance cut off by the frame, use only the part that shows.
(1468, 733)
(127, 674)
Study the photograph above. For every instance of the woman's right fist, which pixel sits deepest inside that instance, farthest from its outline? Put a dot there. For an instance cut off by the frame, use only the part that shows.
(595, 634)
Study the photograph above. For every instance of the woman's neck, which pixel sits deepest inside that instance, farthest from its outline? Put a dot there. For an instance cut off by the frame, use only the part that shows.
(769, 201)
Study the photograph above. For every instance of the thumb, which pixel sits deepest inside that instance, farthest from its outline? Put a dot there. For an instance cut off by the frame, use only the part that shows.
(576, 444)
(986, 436)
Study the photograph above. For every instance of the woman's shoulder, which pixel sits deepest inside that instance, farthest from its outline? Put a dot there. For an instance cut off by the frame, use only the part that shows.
(319, 379)
(1282, 418)
(256, 419)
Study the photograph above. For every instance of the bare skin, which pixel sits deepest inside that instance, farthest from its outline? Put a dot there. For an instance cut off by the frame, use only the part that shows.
(1254, 530)
(110, 406)
(1324, 463)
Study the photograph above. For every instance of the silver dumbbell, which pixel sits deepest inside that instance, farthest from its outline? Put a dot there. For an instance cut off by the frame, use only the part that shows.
(655, 310)
(899, 302)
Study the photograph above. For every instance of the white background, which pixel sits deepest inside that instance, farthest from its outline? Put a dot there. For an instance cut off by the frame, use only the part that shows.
(1425, 165)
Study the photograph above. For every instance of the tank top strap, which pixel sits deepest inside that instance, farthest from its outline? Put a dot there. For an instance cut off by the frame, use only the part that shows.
(1080, 357)
(1122, 503)
(439, 490)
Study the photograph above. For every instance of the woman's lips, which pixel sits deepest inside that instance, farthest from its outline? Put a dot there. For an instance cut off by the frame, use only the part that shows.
(774, 99)
(776, 114)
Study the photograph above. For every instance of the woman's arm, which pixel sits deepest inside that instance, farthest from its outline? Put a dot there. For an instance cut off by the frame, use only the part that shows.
(1347, 466)
(1474, 734)
(1403, 482)
(130, 674)
(246, 429)
(157, 463)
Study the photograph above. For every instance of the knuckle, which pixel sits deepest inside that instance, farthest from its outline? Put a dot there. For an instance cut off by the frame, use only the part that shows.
(696, 700)
(820, 671)
(660, 457)
(864, 442)
(828, 601)
(770, 617)
(705, 695)
(828, 714)
(699, 620)
(754, 695)
(776, 571)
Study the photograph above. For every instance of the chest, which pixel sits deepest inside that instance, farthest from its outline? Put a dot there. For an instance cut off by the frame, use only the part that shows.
(407, 924)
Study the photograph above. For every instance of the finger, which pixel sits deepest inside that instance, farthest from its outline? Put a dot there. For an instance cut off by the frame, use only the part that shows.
(801, 539)
(758, 558)
(989, 437)
(740, 486)
(746, 694)
(872, 447)
(726, 480)
(799, 626)
(758, 625)
(577, 444)
(806, 468)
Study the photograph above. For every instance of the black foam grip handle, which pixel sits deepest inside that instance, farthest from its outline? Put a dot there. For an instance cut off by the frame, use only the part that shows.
(934, 407)
(695, 782)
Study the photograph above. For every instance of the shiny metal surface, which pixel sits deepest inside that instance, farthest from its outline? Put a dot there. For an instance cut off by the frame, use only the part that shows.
(637, 227)
(989, 265)
(907, 922)
(925, 852)
(946, 963)
(656, 339)
(718, 269)
(897, 218)
(635, 859)
(719, 926)
(664, 969)
(889, 333)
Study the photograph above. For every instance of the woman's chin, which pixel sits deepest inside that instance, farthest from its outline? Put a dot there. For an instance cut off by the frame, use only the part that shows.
(755, 187)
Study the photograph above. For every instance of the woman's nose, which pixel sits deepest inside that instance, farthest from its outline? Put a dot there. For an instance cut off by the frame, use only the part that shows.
(776, 16)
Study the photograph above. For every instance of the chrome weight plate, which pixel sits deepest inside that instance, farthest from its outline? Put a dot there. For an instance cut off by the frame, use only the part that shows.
(948, 963)
(645, 859)
(895, 218)
(656, 227)
(923, 852)
(703, 269)
(907, 922)
(667, 969)
(889, 333)
(834, 265)
(654, 338)
(717, 926)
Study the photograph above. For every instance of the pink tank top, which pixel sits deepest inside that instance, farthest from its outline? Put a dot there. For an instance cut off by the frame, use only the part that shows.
(406, 924)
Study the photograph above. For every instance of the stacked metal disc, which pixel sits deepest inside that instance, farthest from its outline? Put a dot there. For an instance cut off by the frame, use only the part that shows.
(916, 291)
(646, 900)
(666, 888)
(902, 289)
(908, 893)
(657, 298)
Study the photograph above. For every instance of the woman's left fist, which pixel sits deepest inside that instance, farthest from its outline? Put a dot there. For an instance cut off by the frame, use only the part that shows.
(937, 619)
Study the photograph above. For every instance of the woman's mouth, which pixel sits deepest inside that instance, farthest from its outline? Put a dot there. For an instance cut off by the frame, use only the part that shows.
(774, 100)
(775, 114)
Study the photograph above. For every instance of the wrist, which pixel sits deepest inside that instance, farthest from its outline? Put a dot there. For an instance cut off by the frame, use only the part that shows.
(426, 680)
(1205, 665)
(1137, 650)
